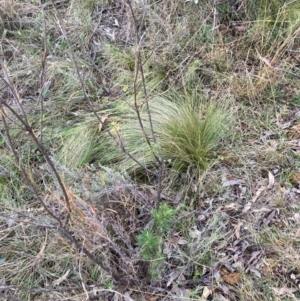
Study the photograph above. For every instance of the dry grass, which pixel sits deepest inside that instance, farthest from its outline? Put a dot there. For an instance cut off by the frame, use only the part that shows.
(229, 75)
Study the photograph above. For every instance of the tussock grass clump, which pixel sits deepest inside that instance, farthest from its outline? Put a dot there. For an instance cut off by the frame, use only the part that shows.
(79, 146)
(187, 134)
(84, 143)
(192, 134)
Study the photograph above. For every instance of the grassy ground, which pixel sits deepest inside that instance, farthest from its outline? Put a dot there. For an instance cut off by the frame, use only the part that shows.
(149, 150)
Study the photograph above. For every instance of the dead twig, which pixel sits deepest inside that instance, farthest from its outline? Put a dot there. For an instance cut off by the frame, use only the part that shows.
(139, 68)
(27, 127)
(87, 98)
(62, 226)
(43, 85)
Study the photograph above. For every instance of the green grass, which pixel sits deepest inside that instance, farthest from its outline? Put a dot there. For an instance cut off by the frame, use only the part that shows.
(193, 133)
(187, 136)
(221, 84)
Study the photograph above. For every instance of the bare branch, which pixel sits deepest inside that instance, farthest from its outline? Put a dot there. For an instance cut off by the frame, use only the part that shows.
(139, 68)
(87, 98)
(43, 85)
(28, 128)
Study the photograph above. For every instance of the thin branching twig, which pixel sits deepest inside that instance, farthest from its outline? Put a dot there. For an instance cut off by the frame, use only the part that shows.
(86, 96)
(43, 85)
(139, 68)
(27, 127)
(62, 226)
(23, 171)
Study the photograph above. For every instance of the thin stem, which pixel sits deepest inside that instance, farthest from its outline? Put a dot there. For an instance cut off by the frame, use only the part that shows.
(139, 68)
(87, 98)
(28, 128)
